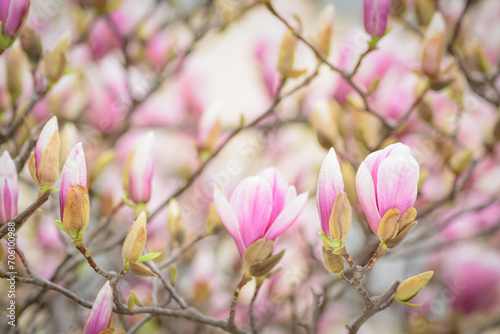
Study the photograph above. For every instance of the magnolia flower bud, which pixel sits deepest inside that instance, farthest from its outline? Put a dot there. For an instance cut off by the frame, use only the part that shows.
(73, 193)
(14, 66)
(138, 172)
(31, 44)
(136, 240)
(340, 220)
(8, 188)
(333, 262)
(325, 30)
(411, 286)
(13, 14)
(376, 15)
(287, 54)
(102, 311)
(177, 232)
(434, 46)
(44, 162)
(54, 63)
(259, 259)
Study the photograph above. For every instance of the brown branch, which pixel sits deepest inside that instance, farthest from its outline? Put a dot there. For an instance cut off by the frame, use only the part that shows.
(21, 218)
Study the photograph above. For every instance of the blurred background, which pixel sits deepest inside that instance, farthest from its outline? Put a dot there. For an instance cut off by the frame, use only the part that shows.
(192, 72)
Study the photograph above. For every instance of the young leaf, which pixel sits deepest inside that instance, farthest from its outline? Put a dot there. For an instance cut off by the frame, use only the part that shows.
(149, 256)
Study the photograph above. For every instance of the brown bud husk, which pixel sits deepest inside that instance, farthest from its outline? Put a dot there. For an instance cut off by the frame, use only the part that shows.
(325, 30)
(136, 239)
(31, 44)
(174, 223)
(286, 56)
(48, 169)
(76, 209)
(425, 112)
(496, 131)
(54, 63)
(2, 252)
(433, 54)
(411, 286)
(340, 219)
(259, 259)
(460, 162)
(388, 226)
(14, 68)
(140, 270)
(406, 224)
(333, 262)
(425, 9)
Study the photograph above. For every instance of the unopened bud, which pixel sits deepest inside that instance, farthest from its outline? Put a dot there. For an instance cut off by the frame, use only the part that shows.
(411, 286)
(287, 55)
(425, 9)
(333, 262)
(102, 161)
(175, 228)
(76, 209)
(481, 59)
(15, 67)
(44, 162)
(259, 259)
(434, 46)
(54, 63)
(136, 240)
(425, 112)
(323, 119)
(31, 44)
(388, 227)
(340, 219)
(460, 162)
(325, 30)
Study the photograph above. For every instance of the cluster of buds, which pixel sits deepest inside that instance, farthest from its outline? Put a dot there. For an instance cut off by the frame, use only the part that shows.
(133, 246)
(260, 209)
(8, 188)
(13, 14)
(73, 195)
(386, 184)
(44, 162)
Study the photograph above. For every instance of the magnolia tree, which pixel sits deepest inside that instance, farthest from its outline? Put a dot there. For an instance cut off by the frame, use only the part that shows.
(260, 165)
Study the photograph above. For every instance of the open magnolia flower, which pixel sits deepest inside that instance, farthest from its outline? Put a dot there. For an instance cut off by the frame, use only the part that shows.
(262, 206)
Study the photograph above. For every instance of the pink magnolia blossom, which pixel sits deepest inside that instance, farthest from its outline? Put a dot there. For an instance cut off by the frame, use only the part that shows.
(100, 315)
(330, 184)
(261, 206)
(140, 172)
(12, 15)
(376, 14)
(103, 39)
(8, 188)
(74, 172)
(387, 179)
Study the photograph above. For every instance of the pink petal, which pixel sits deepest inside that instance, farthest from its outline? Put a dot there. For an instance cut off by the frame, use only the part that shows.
(376, 13)
(74, 172)
(12, 18)
(287, 217)
(279, 188)
(252, 201)
(101, 311)
(330, 183)
(141, 170)
(397, 183)
(366, 195)
(45, 135)
(228, 217)
(8, 188)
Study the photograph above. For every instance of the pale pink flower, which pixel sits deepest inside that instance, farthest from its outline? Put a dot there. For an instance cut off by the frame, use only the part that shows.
(100, 315)
(8, 188)
(261, 206)
(387, 179)
(330, 184)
